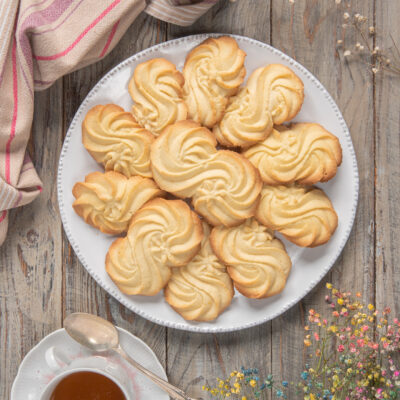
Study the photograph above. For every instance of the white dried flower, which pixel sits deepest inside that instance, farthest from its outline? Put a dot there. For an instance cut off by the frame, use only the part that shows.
(388, 61)
(371, 30)
(339, 42)
(338, 1)
(375, 70)
(376, 50)
(347, 53)
(359, 46)
(346, 16)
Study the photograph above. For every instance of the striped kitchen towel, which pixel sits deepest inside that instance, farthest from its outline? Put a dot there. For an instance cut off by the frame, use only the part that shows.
(41, 40)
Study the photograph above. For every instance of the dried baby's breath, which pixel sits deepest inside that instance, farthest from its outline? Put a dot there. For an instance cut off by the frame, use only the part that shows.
(359, 46)
(379, 59)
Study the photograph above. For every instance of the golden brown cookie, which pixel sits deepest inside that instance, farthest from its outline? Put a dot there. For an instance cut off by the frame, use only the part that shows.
(162, 234)
(256, 261)
(156, 89)
(273, 94)
(213, 72)
(304, 153)
(202, 289)
(114, 138)
(224, 186)
(108, 201)
(304, 215)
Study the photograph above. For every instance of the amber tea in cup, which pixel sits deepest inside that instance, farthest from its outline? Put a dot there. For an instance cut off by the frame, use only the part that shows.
(85, 385)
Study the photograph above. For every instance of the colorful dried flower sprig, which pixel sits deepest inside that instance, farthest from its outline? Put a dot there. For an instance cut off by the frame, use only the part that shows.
(351, 357)
(245, 385)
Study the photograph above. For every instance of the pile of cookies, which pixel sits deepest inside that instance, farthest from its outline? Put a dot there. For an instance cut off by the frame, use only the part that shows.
(200, 174)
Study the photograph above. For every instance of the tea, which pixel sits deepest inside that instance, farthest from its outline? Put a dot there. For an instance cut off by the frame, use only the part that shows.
(87, 386)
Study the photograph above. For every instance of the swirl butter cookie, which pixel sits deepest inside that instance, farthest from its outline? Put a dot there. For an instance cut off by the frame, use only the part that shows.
(202, 289)
(213, 72)
(224, 186)
(256, 261)
(162, 234)
(108, 201)
(114, 138)
(304, 215)
(272, 95)
(156, 89)
(304, 153)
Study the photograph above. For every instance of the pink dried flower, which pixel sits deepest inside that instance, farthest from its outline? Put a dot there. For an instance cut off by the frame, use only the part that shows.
(365, 328)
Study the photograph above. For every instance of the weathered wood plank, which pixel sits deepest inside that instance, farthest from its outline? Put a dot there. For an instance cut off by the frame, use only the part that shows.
(247, 18)
(81, 292)
(195, 359)
(307, 31)
(387, 162)
(30, 258)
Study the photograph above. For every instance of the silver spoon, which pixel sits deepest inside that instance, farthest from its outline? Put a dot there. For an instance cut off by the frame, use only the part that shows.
(99, 335)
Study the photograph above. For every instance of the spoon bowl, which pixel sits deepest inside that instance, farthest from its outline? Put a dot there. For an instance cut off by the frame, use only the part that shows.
(92, 332)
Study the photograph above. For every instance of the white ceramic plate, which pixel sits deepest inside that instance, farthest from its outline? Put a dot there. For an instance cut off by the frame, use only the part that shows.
(309, 265)
(34, 373)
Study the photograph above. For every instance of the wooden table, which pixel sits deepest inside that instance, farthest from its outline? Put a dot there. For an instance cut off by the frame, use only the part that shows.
(41, 280)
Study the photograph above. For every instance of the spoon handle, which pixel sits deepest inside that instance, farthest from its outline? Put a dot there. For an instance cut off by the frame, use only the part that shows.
(172, 390)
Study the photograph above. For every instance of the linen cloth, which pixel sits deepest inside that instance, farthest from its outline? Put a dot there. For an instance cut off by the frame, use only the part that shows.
(41, 40)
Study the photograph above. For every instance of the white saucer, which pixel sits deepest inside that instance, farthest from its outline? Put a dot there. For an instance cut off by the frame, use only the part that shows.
(34, 374)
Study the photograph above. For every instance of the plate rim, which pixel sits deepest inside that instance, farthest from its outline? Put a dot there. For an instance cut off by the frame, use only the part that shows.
(58, 331)
(181, 325)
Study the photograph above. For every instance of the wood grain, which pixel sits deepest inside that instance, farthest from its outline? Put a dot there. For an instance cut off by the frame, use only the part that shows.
(387, 162)
(308, 31)
(30, 259)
